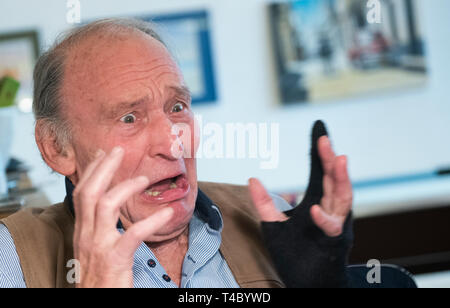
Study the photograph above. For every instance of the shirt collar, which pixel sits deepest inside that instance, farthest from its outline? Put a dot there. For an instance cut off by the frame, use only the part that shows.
(205, 209)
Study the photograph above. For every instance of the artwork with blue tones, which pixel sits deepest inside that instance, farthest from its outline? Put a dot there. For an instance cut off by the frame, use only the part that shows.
(188, 37)
(328, 50)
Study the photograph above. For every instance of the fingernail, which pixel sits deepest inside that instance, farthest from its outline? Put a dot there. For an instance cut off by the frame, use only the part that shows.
(142, 179)
(116, 151)
(99, 153)
(345, 160)
(251, 182)
(168, 211)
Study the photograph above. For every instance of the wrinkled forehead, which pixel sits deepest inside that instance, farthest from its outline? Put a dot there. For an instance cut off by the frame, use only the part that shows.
(118, 67)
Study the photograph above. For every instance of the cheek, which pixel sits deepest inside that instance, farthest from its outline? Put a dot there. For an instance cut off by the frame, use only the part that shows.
(131, 162)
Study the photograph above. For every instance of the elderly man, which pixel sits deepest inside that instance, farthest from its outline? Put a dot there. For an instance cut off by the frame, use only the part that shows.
(106, 99)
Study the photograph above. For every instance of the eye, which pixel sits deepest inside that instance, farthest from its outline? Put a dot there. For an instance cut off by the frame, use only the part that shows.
(128, 119)
(178, 107)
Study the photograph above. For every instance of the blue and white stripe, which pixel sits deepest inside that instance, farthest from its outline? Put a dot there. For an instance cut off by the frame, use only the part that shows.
(10, 271)
(203, 266)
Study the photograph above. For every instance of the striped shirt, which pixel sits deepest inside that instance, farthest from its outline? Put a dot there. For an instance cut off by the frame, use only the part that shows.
(203, 265)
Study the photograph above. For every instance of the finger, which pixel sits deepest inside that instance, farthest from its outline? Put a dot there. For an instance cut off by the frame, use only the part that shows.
(102, 176)
(326, 154)
(314, 191)
(108, 207)
(140, 231)
(264, 203)
(99, 156)
(328, 191)
(87, 197)
(343, 194)
(79, 214)
(327, 158)
(330, 225)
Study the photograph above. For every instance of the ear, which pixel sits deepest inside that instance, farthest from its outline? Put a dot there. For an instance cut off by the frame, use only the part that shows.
(60, 158)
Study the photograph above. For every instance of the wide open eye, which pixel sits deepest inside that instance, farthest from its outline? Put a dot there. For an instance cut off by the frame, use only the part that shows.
(178, 107)
(128, 119)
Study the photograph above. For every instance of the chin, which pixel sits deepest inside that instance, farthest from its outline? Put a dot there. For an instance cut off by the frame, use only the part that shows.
(183, 211)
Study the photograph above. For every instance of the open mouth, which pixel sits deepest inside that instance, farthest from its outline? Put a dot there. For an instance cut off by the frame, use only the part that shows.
(167, 190)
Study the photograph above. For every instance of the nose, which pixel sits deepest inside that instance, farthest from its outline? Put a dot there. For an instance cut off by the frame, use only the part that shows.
(163, 142)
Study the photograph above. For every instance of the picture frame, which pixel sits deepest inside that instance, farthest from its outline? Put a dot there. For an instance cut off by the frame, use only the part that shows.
(330, 50)
(19, 51)
(188, 37)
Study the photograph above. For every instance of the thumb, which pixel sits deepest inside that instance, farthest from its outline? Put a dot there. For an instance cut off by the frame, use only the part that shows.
(131, 240)
(264, 203)
(330, 225)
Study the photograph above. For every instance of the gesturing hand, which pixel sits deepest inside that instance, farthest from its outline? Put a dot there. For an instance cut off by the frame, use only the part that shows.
(106, 256)
(310, 244)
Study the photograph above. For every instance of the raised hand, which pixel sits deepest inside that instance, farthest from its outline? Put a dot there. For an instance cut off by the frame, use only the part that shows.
(106, 256)
(310, 244)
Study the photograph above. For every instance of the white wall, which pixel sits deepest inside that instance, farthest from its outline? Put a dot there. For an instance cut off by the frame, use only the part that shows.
(389, 134)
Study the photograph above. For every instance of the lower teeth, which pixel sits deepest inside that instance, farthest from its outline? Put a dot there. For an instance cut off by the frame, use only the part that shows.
(157, 193)
(153, 193)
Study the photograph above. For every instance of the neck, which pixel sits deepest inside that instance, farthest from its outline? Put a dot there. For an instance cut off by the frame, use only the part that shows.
(171, 254)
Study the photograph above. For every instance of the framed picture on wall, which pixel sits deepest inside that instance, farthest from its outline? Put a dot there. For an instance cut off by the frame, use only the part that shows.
(18, 54)
(333, 49)
(189, 39)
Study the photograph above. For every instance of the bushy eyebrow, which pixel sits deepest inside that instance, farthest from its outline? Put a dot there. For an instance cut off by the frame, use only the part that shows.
(182, 91)
(122, 107)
